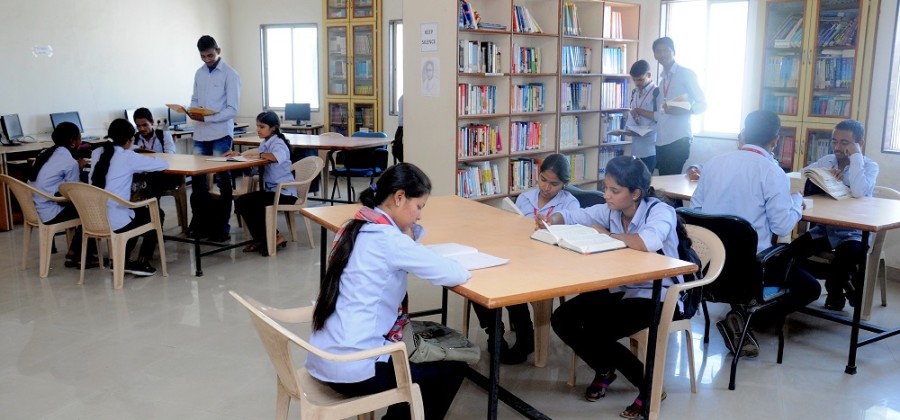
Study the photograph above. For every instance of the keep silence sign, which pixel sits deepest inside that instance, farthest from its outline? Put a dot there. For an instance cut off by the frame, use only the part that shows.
(429, 37)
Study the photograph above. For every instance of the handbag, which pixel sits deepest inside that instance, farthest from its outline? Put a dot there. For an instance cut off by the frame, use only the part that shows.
(428, 341)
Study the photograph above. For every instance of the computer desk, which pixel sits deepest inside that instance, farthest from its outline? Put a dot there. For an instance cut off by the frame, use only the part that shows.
(535, 272)
(9, 154)
(302, 129)
(177, 134)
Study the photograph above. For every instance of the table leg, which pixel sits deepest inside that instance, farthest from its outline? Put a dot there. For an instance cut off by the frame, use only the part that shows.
(199, 271)
(328, 159)
(494, 390)
(322, 252)
(857, 307)
(444, 305)
(651, 348)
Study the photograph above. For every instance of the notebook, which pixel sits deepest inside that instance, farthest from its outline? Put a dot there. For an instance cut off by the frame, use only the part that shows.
(469, 257)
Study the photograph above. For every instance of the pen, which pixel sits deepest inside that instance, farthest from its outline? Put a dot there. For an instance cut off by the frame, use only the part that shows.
(549, 211)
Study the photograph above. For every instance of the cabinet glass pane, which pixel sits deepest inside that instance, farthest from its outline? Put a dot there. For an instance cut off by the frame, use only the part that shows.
(818, 144)
(783, 57)
(337, 60)
(363, 8)
(336, 9)
(364, 60)
(363, 117)
(784, 152)
(338, 117)
(835, 56)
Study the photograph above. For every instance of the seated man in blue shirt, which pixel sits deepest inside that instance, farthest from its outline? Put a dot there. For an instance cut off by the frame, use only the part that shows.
(858, 172)
(748, 183)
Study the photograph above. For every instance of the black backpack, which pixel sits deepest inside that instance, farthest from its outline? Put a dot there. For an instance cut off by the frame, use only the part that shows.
(691, 298)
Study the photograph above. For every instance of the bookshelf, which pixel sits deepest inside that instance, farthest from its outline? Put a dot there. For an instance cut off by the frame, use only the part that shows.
(537, 77)
(353, 58)
(817, 58)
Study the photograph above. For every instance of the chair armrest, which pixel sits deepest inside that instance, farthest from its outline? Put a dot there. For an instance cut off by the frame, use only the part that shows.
(396, 350)
(290, 315)
(776, 263)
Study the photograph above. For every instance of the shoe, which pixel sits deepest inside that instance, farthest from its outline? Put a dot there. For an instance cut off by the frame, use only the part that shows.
(280, 243)
(220, 237)
(253, 247)
(77, 264)
(519, 352)
(734, 323)
(141, 269)
(834, 303)
(635, 410)
(597, 388)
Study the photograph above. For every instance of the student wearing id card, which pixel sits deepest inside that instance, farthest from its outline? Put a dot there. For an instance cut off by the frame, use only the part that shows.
(643, 113)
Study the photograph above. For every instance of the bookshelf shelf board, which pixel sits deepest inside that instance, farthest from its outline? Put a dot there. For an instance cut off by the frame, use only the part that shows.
(615, 75)
(583, 38)
(482, 74)
(781, 89)
(831, 91)
(532, 74)
(616, 110)
(531, 114)
(621, 40)
(581, 75)
(585, 181)
(615, 143)
(485, 31)
(529, 153)
(579, 111)
(577, 148)
(481, 158)
(544, 34)
(482, 116)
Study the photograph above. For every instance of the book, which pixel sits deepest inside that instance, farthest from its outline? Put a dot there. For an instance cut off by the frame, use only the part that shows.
(230, 159)
(195, 110)
(680, 101)
(820, 180)
(509, 205)
(469, 257)
(798, 182)
(578, 238)
(633, 130)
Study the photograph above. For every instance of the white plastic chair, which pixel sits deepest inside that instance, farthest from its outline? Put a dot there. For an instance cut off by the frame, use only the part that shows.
(317, 400)
(305, 171)
(875, 267)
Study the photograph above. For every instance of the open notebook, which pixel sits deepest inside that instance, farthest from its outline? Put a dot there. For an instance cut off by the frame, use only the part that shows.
(469, 257)
(578, 238)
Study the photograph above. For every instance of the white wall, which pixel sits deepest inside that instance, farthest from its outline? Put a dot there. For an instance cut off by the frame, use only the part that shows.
(107, 56)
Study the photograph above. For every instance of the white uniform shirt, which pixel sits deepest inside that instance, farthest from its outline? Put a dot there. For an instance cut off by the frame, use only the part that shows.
(218, 90)
(674, 83)
(61, 167)
(527, 202)
(371, 288)
(154, 143)
(122, 167)
(279, 171)
(860, 176)
(656, 229)
(643, 146)
(752, 186)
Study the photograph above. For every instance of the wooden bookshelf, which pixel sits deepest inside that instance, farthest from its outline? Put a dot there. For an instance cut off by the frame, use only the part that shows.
(523, 92)
(817, 57)
(353, 74)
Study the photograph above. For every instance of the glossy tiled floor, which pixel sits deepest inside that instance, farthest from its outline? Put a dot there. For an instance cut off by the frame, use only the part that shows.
(181, 348)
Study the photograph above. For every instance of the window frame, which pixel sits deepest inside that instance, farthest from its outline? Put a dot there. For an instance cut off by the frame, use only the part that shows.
(749, 57)
(394, 80)
(264, 62)
(892, 103)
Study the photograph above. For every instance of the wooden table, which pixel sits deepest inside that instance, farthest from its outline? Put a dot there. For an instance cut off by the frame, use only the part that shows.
(302, 129)
(535, 272)
(193, 165)
(329, 143)
(9, 154)
(674, 186)
(177, 134)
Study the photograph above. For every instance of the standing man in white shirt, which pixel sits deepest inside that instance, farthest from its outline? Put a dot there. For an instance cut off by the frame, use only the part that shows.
(673, 140)
(217, 87)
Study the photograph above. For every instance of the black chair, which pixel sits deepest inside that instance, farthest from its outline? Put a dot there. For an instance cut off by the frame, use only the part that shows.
(586, 198)
(363, 163)
(750, 282)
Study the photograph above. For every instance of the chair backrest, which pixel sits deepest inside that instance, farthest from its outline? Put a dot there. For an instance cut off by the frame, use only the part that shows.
(90, 201)
(711, 251)
(741, 278)
(305, 171)
(586, 198)
(24, 194)
(375, 157)
(885, 192)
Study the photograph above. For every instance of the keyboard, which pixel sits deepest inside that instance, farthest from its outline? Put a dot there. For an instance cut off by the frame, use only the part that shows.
(184, 128)
(90, 138)
(240, 131)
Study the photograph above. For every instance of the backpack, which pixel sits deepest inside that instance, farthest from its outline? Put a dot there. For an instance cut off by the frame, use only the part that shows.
(691, 298)
(159, 136)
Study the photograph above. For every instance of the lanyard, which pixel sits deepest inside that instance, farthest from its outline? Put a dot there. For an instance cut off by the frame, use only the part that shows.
(643, 98)
(750, 149)
(666, 82)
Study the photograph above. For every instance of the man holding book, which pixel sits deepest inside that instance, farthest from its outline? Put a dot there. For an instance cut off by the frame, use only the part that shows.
(850, 167)
(748, 183)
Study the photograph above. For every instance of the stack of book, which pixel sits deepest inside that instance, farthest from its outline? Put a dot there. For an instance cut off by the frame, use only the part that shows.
(523, 22)
(526, 135)
(569, 131)
(570, 20)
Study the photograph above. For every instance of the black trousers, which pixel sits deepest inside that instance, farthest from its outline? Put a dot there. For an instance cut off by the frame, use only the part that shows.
(68, 213)
(148, 245)
(593, 322)
(397, 145)
(670, 158)
(252, 207)
(438, 381)
(519, 317)
(843, 267)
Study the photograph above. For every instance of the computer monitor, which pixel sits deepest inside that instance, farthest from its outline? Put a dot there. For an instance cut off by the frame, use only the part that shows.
(176, 118)
(72, 117)
(297, 112)
(129, 115)
(12, 128)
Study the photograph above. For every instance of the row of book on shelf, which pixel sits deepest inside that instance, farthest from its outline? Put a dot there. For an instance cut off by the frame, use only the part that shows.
(838, 28)
(476, 99)
(782, 71)
(576, 59)
(781, 103)
(528, 97)
(834, 71)
(479, 57)
(523, 22)
(614, 94)
(785, 152)
(614, 59)
(337, 45)
(478, 179)
(478, 140)
(526, 59)
(468, 18)
(789, 33)
(571, 26)
(523, 174)
(612, 122)
(831, 105)
(607, 154)
(569, 131)
(526, 135)
(575, 96)
(362, 44)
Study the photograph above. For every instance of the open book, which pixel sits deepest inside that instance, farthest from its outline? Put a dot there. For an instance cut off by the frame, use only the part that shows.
(798, 182)
(197, 110)
(680, 101)
(469, 257)
(230, 159)
(578, 238)
(821, 180)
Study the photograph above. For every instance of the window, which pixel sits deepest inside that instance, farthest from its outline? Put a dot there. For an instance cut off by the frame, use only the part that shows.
(290, 63)
(396, 46)
(891, 120)
(711, 39)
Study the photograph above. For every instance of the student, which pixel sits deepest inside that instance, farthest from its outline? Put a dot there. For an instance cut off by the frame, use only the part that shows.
(52, 167)
(252, 206)
(147, 138)
(673, 144)
(593, 322)
(858, 172)
(547, 197)
(217, 87)
(748, 183)
(113, 170)
(643, 113)
(366, 282)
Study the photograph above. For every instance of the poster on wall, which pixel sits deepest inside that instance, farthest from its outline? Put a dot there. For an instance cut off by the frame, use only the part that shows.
(429, 37)
(431, 77)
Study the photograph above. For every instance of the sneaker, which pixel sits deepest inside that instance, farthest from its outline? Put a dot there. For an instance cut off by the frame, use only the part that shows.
(834, 303)
(141, 269)
(220, 237)
(733, 326)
